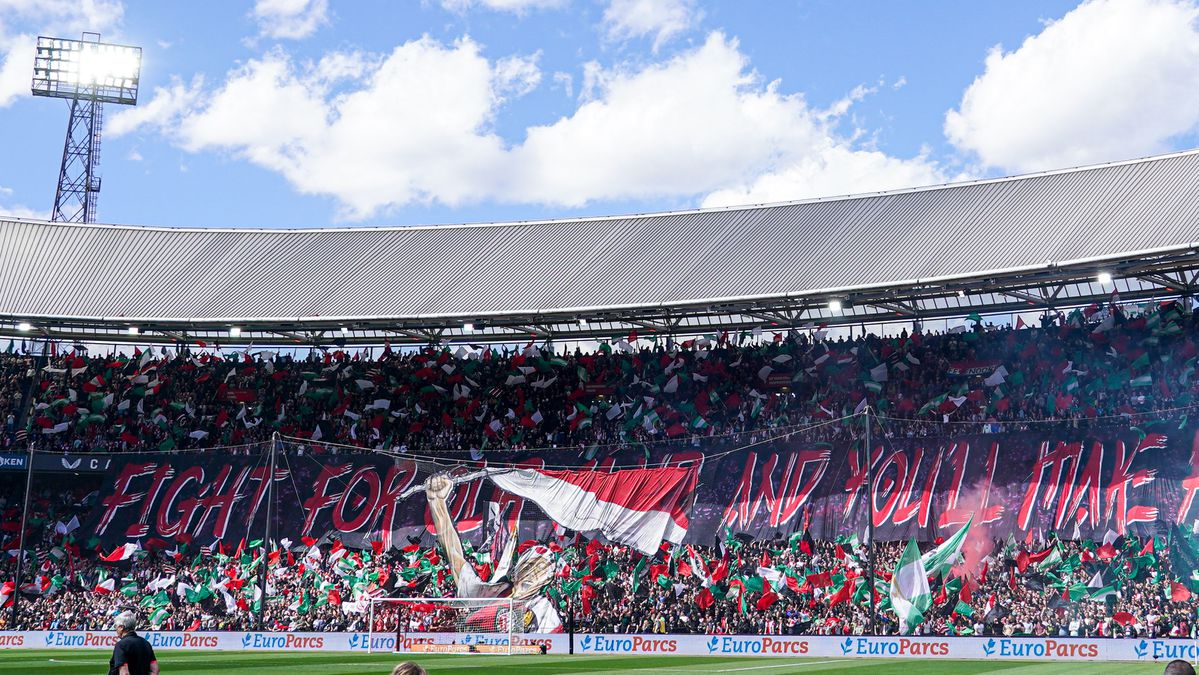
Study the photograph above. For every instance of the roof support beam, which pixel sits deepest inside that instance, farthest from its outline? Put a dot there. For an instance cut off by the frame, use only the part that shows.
(896, 307)
(1020, 295)
(1166, 281)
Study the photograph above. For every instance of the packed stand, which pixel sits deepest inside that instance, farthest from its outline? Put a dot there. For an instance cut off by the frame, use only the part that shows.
(1094, 366)
(1119, 587)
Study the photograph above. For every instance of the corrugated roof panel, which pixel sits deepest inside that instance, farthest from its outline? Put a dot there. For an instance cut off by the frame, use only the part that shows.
(66, 270)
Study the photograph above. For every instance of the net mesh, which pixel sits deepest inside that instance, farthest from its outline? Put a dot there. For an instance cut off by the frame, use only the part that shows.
(467, 621)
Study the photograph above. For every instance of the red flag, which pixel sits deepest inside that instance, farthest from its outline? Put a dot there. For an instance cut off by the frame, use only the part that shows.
(844, 594)
(657, 570)
(377, 547)
(1106, 552)
(1178, 592)
(1148, 548)
(792, 583)
(767, 600)
(721, 571)
(1124, 618)
(704, 599)
(821, 580)
(765, 561)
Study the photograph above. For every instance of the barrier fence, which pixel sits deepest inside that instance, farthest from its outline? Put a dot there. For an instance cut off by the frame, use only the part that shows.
(1032, 649)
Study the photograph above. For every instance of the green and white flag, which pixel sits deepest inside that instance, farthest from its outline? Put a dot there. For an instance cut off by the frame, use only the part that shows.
(910, 595)
(1052, 560)
(159, 616)
(941, 559)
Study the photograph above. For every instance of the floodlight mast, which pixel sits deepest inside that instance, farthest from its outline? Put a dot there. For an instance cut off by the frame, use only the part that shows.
(87, 73)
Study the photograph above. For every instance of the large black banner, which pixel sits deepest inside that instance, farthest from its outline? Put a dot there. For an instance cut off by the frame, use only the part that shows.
(1076, 484)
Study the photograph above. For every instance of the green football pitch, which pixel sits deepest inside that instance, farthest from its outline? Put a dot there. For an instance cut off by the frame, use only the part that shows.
(292, 663)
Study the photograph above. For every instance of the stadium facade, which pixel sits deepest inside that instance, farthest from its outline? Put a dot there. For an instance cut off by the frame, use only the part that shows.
(1016, 244)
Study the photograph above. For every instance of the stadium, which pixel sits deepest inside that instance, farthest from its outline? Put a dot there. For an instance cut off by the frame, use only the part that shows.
(942, 428)
(693, 485)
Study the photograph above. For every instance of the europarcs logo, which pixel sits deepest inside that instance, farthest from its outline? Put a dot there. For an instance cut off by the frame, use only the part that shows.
(363, 642)
(755, 645)
(634, 644)
(1166, 649)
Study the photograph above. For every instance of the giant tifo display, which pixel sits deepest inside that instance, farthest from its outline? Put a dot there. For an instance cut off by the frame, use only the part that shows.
(1032, 482)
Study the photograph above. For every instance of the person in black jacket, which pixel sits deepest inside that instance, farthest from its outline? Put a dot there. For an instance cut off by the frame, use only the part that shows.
(132, 654)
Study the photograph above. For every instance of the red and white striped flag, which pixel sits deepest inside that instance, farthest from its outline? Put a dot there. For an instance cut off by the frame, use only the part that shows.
(636, 507)
(122, 552)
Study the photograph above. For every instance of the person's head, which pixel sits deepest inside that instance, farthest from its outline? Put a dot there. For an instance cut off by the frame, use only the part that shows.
(408, 668)
(125, 623)
(1179, 667)
(534, 571)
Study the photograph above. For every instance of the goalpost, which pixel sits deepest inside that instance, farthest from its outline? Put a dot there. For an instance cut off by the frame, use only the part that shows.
(449, 625)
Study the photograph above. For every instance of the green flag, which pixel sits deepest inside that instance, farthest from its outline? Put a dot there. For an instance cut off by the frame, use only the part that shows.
(910, 595)
(939, 560)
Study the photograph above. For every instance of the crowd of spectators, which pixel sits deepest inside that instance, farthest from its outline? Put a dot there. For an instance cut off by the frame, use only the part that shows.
(1096, 366)
(1093, 366)
(1124, 587)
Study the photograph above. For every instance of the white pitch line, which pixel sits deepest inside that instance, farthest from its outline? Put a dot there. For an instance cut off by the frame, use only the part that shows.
(780, 665)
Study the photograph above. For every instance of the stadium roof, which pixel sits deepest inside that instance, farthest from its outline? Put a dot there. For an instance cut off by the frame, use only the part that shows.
(1009, 244)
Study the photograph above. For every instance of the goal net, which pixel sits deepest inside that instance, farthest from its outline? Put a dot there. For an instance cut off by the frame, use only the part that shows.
(449, 625)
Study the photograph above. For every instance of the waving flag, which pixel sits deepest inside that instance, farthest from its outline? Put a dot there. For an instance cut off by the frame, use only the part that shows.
(636, 507)
(122, 552)
(910, 594)
(941, 559)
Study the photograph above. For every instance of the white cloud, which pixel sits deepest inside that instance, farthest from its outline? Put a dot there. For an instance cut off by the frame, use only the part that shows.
(1112, 79)
(513, 6)
(17, 69)
(516, 76)
(167, 105)
(566, 81)
(20, 211)
(833, 169)
(700, 123)
(22, 20)
(290, 19)
(662, 19)
(417, 126)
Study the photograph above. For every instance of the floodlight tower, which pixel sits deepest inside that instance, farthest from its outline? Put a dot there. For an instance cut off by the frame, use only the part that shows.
(87, 73)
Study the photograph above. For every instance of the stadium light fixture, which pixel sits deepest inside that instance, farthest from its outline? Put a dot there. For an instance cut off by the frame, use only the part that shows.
(1104, 278)
(87, 74)
(345, 330)
(834, 305)
(234, 331)
(24, 327)
(961, 293)
(133, 330)
(85, 69)
(468, 327)
(582, 323)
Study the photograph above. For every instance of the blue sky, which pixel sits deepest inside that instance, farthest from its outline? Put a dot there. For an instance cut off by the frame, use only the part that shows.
(282, 113)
